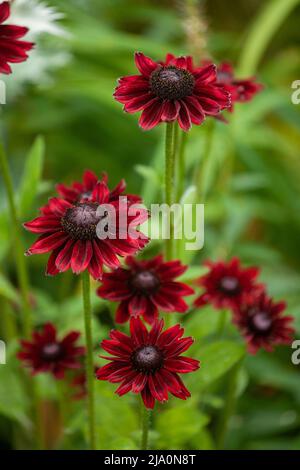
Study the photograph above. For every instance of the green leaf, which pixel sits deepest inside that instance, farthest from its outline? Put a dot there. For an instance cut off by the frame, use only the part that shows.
(216, 359)
(202, 323)
(183, 416)
(116, 418)
(13, 397)
(193, 273)
(148, 173)
(31, 176)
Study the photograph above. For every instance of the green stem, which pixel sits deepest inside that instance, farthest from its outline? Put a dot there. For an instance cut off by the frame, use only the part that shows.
(181, 165)
(18, 247)
(221, 323)
(204, 175)
(89, 357)
(229, 406)
(169, 181)
(8, 321)
(146, 418)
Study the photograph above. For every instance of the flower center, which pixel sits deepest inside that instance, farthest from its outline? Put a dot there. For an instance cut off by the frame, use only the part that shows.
(147, 359)
(229, 285)
(80, 221)
(261, 322)
(51, 352)
(145, 281)
(171, 83)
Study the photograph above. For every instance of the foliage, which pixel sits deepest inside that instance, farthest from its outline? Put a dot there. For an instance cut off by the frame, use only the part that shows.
(252, 206)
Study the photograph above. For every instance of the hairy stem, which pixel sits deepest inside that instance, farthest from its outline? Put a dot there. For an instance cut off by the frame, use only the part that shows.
(146, 419)
(169, 180)
(86, 294)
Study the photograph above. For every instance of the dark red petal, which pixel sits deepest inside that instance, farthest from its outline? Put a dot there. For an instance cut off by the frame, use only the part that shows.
(58, 206)
(67, 193)
(172, 382)
(162, 302)
(147, 397)
(184, 118)
(171, 270)
(50, 223)
(150, 313)
(170, 111)
(182, 345)
(139, 383)
(181, 62)
(114, 290)
(89, 180)
(81, 256)
(71, 337)
(144, 64)
(155, 331)
(104, 372)
(63, 260)
(182, 365)
(209, 106)
(169, 335)
(4, 67)
(44, 244)
(136, 89)
(137, 305)
(49, 332)
(178, 287)
(206, 74)
(4, 11)
(106, 254)
(201, 300)
(196, 111)
(51, 269)
(100, 193)
(170, 59)
(115, 348)
(151, 116)
(122, 313)
(13, 31)
(96, 265)
(139, 103)
(158, 389)
(138, 331)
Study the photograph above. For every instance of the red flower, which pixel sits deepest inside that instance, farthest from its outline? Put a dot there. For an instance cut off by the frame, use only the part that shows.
(82, 191)
(11, 48)
(226, 283)
(173, 90)
(241, 91)
(68, 231)
(148, 362)
(146, 287)
(261, 322)
(46, 353)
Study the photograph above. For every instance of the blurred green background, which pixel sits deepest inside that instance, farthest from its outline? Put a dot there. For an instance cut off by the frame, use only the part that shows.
(251, 179)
